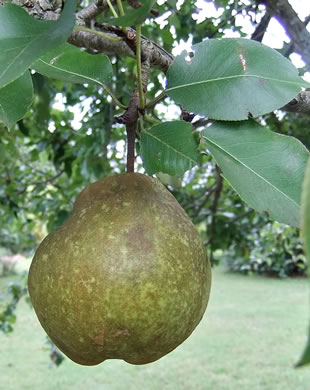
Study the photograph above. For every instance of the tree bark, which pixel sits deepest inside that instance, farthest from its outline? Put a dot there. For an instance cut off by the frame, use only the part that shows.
(301, 103)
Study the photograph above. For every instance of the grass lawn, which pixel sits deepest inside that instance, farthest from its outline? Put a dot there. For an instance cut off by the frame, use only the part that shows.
(251, 336)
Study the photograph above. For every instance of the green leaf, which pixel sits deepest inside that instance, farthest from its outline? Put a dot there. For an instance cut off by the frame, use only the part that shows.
(230, 78)
(169, 180)
(170, 147)
(305, 231)
(134, 17)
(266, 169)
(71, 64)
(172, 3)
(15, 100)
(305, 225)
(24, 39)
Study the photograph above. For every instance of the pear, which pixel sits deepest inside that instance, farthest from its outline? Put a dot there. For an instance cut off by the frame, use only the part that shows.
(125, 277)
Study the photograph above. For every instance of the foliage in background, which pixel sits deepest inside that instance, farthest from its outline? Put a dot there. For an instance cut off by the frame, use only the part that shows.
(274, 250)
(8, 303)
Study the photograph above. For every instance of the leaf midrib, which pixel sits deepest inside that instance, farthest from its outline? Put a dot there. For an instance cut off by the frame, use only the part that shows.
(72, 73)
(250, 169)
(230, 78)
(37, 37)
(45, 31)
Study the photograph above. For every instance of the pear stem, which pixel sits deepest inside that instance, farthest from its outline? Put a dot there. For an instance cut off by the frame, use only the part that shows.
(131, 138)
(130, 119)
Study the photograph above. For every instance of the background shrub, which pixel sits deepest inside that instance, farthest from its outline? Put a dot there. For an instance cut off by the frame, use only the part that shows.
(274, 249)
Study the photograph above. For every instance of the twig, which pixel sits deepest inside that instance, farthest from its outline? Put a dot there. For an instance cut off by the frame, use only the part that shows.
(204, 202)
(91, 11)
(202, 122)
(301, 103)
(261, 28)
(37, 183)
(245, 214)
(187, 116)
(100, 33)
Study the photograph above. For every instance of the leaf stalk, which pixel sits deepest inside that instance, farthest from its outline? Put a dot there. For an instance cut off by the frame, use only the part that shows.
(139, 67)
(100, 33)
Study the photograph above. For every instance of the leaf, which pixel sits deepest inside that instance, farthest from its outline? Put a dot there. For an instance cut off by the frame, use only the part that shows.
(69, 63)
(305, 225)
(24, 39)
(172, 3)
(134, 17)
(305, 232)
(170, 147)
(15, 100)
(169, 180)
(59, 220)
(266, 169)
(230, 78)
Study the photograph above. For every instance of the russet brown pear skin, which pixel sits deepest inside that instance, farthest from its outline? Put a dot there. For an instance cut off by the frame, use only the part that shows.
(125, 277)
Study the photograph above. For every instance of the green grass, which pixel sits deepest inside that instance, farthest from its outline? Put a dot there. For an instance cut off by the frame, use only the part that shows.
(251, 336)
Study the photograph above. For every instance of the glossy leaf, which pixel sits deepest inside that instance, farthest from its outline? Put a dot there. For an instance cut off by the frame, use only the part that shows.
(305, 218)
(24, 39)
(170, 147)
(266, 169)
(230, 79)
(71, 64)
(15, 100)
(135, 16)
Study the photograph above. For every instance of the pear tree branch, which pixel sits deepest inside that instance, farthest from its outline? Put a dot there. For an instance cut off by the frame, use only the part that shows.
(157, 56)
(301, 103)
(295, 28)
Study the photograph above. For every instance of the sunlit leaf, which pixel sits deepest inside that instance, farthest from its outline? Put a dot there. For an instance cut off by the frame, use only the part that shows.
(170, 147)
(265, 168)
(232, 78)
(71, 64)
(24, 39)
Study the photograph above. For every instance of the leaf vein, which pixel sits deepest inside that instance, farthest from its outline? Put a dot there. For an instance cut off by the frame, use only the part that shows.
(249, 168)
(171, 148)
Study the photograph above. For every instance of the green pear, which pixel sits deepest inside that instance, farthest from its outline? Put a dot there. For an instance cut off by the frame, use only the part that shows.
(125, 277)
